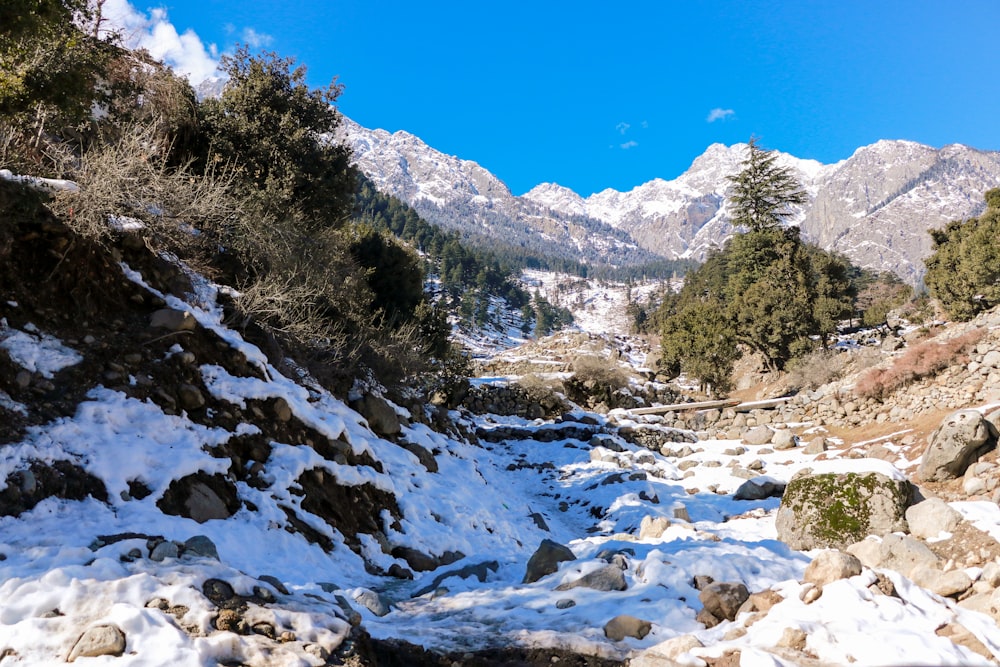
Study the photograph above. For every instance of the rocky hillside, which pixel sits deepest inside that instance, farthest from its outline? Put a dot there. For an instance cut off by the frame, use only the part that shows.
(173, 490)
(874, 207)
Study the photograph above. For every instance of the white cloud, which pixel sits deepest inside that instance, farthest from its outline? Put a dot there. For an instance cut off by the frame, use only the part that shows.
(622, 127)
(184, 52)
(256, 40)
(628, 144)
(719, 113)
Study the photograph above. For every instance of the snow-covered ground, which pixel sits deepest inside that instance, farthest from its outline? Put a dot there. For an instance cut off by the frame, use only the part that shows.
(494, 502)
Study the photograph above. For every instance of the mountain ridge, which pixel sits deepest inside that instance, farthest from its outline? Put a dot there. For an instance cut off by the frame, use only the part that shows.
(874, 206)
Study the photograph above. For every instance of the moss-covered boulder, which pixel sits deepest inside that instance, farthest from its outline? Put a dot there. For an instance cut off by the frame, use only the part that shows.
(842, 504)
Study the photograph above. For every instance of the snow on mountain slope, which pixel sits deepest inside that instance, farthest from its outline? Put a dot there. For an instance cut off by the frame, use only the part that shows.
(875, 206)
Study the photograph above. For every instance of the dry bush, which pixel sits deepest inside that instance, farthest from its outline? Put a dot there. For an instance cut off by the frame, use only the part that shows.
(130, 178)
(817, 369)
(924, 360)
(590, 367)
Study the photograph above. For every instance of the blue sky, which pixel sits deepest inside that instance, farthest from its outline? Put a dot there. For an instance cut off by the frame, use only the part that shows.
(595, 95)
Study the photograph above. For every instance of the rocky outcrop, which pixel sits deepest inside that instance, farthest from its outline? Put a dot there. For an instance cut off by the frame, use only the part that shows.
(960, 439)
(546, 560)
(836, 509)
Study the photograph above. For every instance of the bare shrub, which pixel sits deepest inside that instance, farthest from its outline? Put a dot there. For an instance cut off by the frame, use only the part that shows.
(130, 179)
(920, 361)
(590, 367)
(817, 369)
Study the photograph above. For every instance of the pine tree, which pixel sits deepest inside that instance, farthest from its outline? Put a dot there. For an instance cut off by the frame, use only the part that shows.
(763, 192)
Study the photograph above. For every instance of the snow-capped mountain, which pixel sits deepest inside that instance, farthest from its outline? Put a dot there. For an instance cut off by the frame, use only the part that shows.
(875, 207)
(461, 195)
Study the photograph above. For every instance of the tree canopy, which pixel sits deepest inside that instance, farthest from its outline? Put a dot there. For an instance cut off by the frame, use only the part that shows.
(963, 273)
(273, 129)
(763, 192)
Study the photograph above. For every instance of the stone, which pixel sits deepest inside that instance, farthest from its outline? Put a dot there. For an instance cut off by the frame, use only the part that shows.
(783, 439)
(608, 578)
(380, 416)
(899, 553)
(793, 638)
(758, 435)
(97, 641)
(372, 601)
(945, 584)
(201, 545)
(961, 636)
(164, 550)
(282, 411)
(764, 600)
(201, 497)
(423, 455)
(190, 397)
(653, 527)
(546, 560)
(623, 625)
(724, 599)
(173, 320)
(834, 510)
(274, 582)
(817, 445)
(831, 565)
(565, 603)
(669, 653)
(759, 488)
(960, 439)
(931, 517)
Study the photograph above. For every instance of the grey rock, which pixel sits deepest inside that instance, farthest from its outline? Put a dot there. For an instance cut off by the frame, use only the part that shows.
(274, 582)
(164, 550)
(817, 445)
(945, 584)
(201, 545)
(623, 625)
(668, 653)
(97, 641)
(723, 599)
(423, 455)
(204, 504)
(546, 560)
(834, 510)
(961, 438)
(759, 488)
(831, 565)
(784, 439)
(190, 397)
(373, 602)
(380, 416)
(758, 435)
(565, 603)
(900, 553)
(608, 578)
(930, 518)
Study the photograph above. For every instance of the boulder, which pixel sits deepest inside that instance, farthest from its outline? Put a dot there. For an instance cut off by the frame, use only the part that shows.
(831, 565)
(622, 626)
(201, 497)
(930, 518)
(372, 601)
(670, 653)
(97, 641)
(201, 545)
(960, 439)
(945, 584)
(546, 560)
(380, 416)
(723, 599)
(784, 439)
(837, 509)
(173, 320)
(608, 578)
(899, 553)
(653, 527)
(759, 488)
(758, 435)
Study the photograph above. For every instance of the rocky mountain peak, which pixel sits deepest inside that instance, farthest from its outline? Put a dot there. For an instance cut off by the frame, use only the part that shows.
(875, 207)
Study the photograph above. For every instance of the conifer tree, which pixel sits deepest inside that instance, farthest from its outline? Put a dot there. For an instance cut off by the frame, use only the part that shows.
(763, 192)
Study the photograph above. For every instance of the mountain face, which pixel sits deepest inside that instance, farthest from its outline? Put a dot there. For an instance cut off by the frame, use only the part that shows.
(875, 207)
(460, 195)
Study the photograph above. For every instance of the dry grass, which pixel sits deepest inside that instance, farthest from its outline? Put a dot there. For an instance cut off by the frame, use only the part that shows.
(603, 371)
(924, 360)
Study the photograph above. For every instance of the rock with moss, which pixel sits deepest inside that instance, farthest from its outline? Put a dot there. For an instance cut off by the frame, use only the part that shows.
(837, 507)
